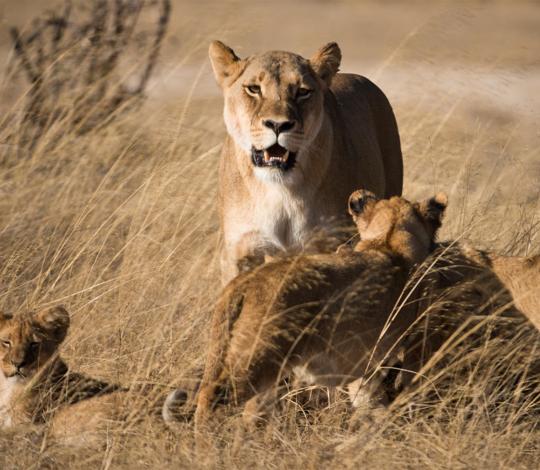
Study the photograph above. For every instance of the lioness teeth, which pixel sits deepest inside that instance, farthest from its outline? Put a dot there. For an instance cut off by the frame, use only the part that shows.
(268, 158)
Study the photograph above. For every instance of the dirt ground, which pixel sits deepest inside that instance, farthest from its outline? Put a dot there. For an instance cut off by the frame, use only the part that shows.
(120, 224)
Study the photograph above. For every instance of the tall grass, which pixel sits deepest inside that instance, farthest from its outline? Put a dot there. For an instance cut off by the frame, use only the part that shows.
(119, 223)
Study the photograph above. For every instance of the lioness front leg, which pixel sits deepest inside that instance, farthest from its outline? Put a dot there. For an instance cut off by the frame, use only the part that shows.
(246, 253)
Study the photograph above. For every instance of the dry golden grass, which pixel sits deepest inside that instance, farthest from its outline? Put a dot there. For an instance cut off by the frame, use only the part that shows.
(120, 225)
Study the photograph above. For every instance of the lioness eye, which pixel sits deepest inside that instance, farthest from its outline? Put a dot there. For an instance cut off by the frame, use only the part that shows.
(6, 343)
(253, 89)
(34, 345)
(303, 92)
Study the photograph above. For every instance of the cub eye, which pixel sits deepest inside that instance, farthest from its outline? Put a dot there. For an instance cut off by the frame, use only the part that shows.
(253, 90)
(5, 343)
(303, 93)
(35, 345)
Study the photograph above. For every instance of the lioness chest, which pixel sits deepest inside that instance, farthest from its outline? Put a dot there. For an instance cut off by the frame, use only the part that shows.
(283, 220)
(275, 220)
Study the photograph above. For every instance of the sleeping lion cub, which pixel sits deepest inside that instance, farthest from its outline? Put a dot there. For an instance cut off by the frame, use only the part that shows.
(334, 317)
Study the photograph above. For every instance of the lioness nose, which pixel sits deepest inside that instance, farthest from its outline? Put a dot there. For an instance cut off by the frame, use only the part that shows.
(279, 127)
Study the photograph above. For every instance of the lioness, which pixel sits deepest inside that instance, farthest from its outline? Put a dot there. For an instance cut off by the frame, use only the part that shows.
(301, 138)
(334, 316)
(37, 387)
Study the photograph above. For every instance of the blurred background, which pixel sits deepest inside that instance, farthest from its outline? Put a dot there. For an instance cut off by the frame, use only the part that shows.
(463, 78)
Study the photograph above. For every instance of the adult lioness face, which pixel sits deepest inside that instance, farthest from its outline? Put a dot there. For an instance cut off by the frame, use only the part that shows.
(274, 103)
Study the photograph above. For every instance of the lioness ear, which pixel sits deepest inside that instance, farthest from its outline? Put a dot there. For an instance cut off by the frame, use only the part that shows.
(359, 200)
(53, 321)
(432, 210)
(225, 63)
(326, 61)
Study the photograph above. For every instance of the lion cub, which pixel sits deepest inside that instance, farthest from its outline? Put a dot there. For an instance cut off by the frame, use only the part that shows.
(334, 317)
(34, 381)
(37, 387)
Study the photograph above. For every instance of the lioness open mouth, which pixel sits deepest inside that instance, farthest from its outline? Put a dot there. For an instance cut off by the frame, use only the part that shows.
(275, 156)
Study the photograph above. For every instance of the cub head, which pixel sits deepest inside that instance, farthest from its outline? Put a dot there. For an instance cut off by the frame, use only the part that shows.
(405, 228)
(274, 104)
(28, 341)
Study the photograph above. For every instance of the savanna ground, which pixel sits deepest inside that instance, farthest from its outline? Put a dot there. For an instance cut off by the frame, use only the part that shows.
(119, 223)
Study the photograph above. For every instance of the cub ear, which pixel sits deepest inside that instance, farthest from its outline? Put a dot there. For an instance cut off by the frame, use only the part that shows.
(225, 63)
(359, 200)
(5, 316)
(432, 209)
(326, 61)
(53, 321)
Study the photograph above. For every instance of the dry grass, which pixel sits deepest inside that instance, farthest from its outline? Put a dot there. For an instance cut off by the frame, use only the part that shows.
(119, 224)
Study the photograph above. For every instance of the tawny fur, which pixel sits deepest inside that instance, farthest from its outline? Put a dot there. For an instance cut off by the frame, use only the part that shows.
(467, 289)
(336, 316)
(344, 135)
(38, 388)
(521, 276)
